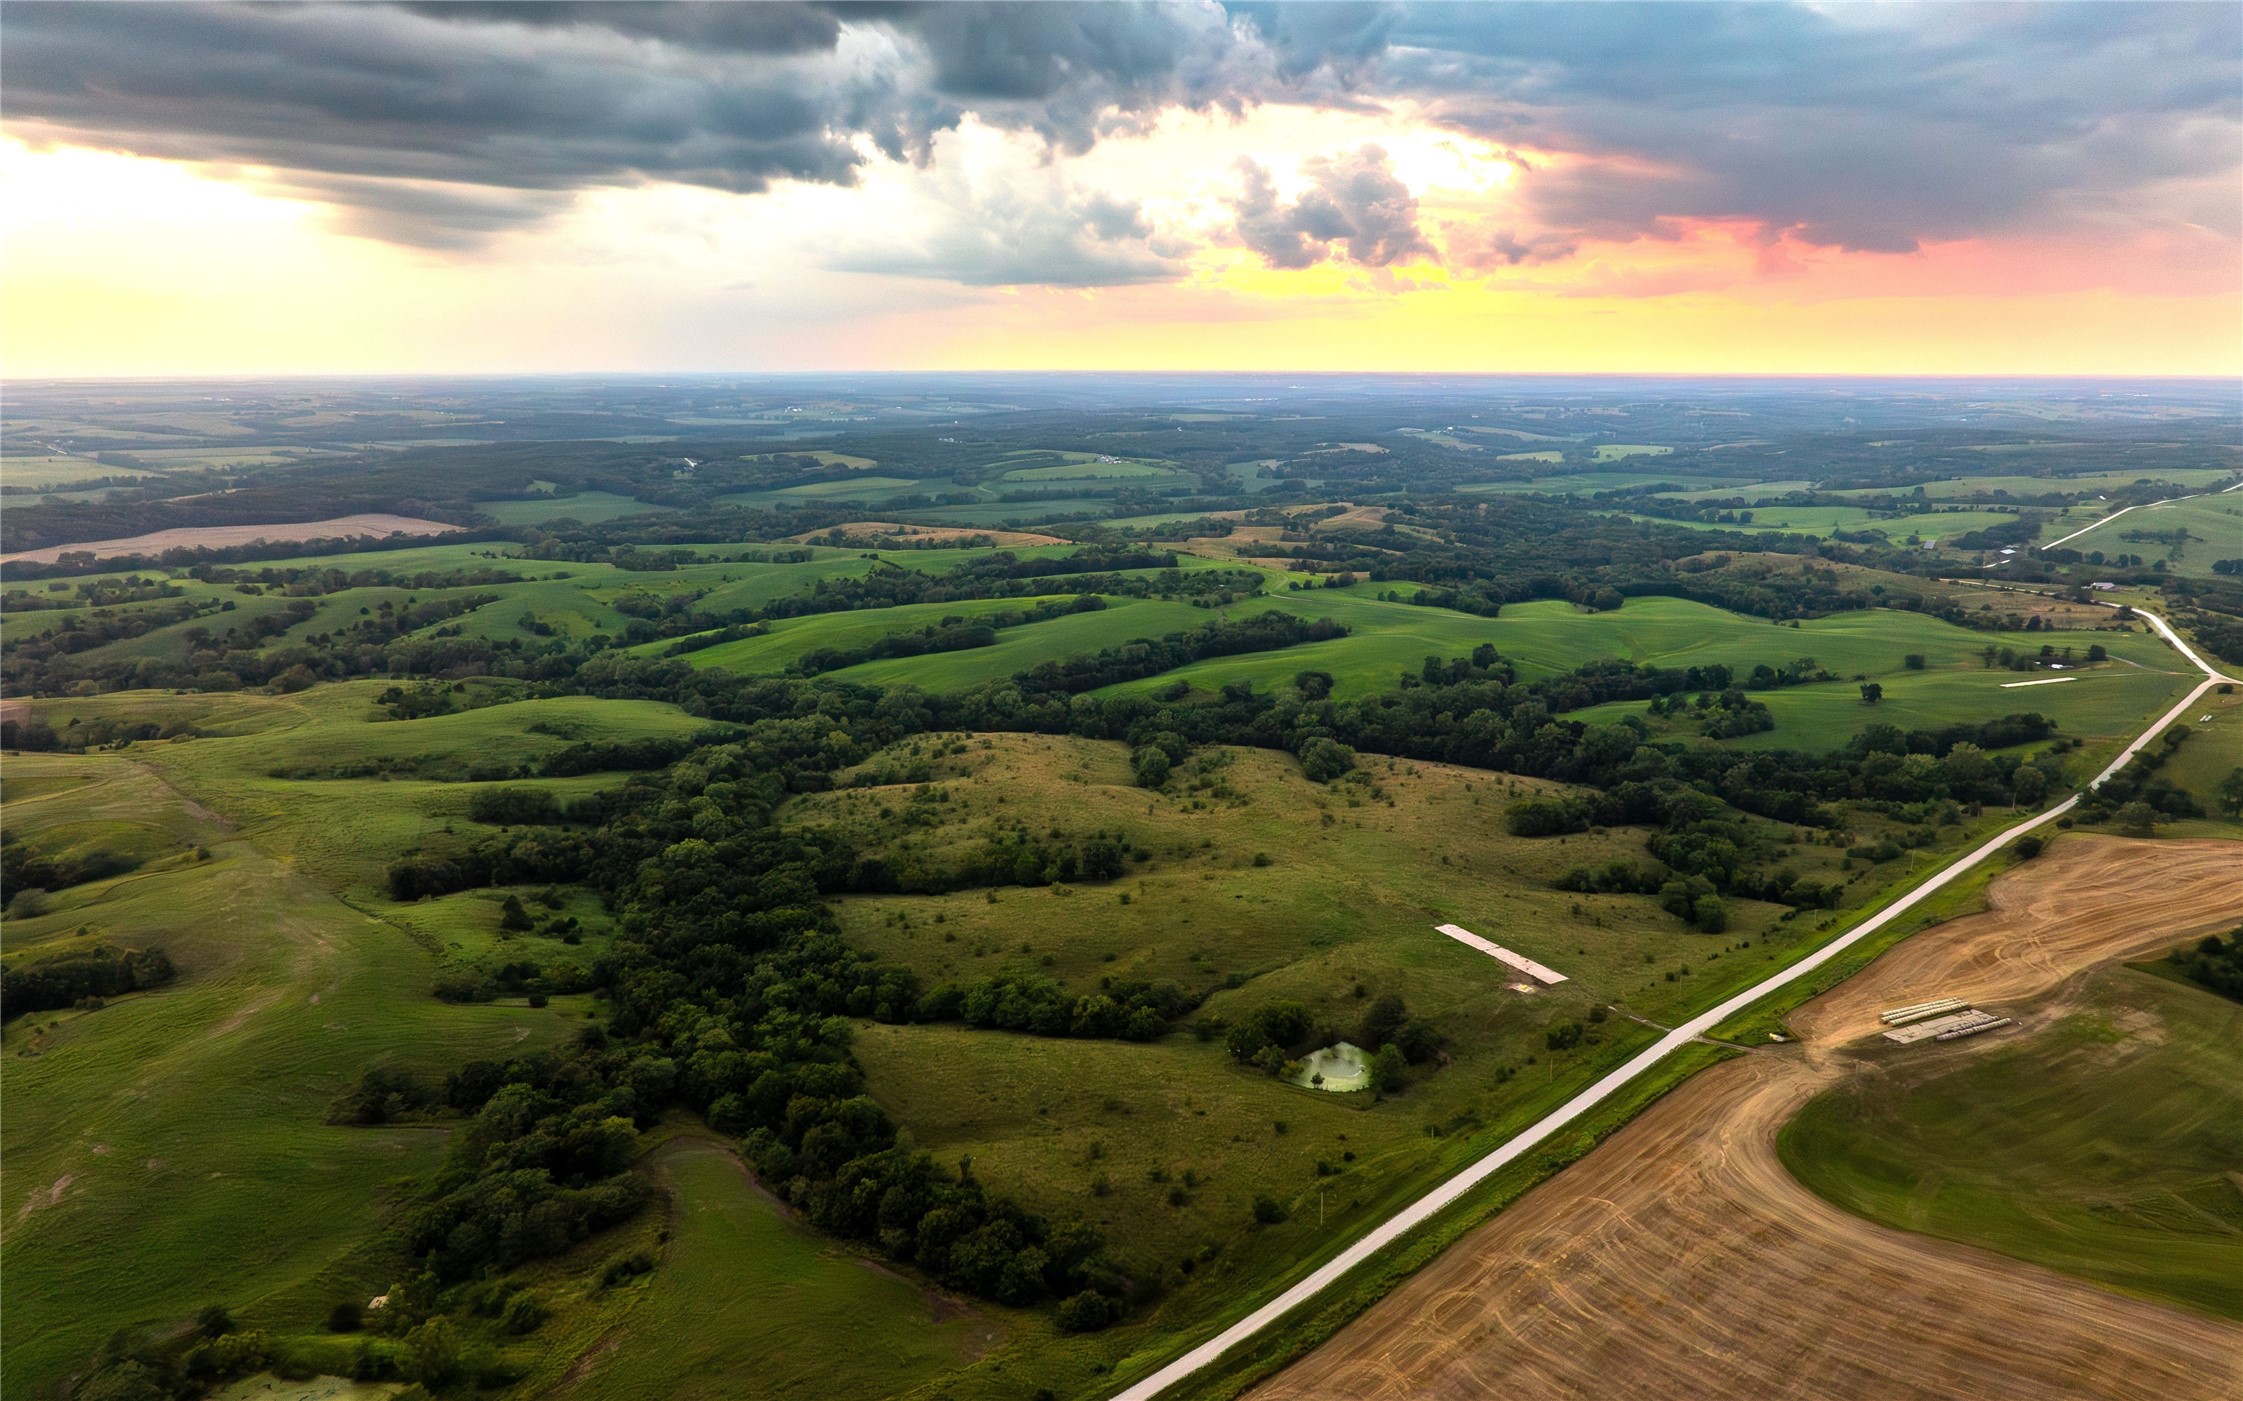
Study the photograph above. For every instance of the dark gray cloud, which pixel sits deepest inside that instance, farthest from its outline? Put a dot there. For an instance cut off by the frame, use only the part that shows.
(1861, 129)
(542, 98)
(1877, 128)
(1354, 209)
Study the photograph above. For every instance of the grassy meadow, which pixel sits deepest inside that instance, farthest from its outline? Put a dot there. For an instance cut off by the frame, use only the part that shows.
(142, 1134)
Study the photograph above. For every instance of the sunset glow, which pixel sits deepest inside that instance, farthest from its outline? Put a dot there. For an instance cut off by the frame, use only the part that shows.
(1399, 207)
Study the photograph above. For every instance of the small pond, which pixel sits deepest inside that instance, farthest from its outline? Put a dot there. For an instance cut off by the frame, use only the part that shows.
(1339, 1068)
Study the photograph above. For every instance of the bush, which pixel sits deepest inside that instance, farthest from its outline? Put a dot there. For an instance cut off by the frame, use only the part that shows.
(1323, 760)
(1267, 1212)
(2029, 846)
(346, 1317)
(1086, 1312)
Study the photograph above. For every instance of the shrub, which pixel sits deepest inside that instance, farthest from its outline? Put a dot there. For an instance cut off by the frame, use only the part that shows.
(1267, 1212)
(1086, 1312)
(1323, 760)
(346, 1317)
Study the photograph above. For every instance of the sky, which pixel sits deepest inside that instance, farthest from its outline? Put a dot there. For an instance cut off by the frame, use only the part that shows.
(1588, 187)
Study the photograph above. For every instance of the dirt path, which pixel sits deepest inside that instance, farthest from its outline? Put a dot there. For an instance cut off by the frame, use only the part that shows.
(1681, 1259)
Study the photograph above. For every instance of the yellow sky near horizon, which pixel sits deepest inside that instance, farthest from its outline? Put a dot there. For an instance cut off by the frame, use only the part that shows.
(122, 265)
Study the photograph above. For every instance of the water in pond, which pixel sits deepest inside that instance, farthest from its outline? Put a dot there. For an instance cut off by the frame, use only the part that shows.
(1338, 1068)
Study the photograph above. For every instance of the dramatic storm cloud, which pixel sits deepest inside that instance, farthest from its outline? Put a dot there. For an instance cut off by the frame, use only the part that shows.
(1220, 183)
(440, 124)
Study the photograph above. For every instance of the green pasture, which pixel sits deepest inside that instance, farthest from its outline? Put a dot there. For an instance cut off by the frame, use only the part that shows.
(747, 1300)
(1550, 635)
(1259, 885)
(1085, 467)
(2212, 751)
(824, 457)
(1589, 483)
(142, 1136)
(1005, 511)
(1757, 492)
(1972, 485)
(58, 473)
(1822, 520)
(2214, 524)
(2102, 702)
(2103, 1145)
(586, 506)
(867, 487)
(1017, 649)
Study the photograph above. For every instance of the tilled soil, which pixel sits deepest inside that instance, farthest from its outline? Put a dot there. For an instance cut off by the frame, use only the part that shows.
(1680, 1259)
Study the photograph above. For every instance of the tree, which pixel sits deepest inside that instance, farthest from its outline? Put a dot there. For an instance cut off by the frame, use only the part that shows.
(2138, 817)
(1872, 692)
(1323, 760)
(2029, 785)
(1150, 766)
(1086, 1312)
(512, 916)
(1389, 1068)
(2231, 793)
(1914, 661)
(1267, 1212)
(1381, 1020)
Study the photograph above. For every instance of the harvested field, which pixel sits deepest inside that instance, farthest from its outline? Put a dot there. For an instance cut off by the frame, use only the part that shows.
(1682, 1259)
(211, 537)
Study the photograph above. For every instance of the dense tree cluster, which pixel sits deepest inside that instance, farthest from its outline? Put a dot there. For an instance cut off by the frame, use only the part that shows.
(66, 980)
(2215, 962)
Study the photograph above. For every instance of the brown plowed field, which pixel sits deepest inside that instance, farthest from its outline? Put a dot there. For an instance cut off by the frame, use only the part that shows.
(1681, 1260)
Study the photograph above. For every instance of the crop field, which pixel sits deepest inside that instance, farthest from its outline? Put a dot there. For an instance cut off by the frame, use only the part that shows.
(2102, 1146)
(219, 536)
